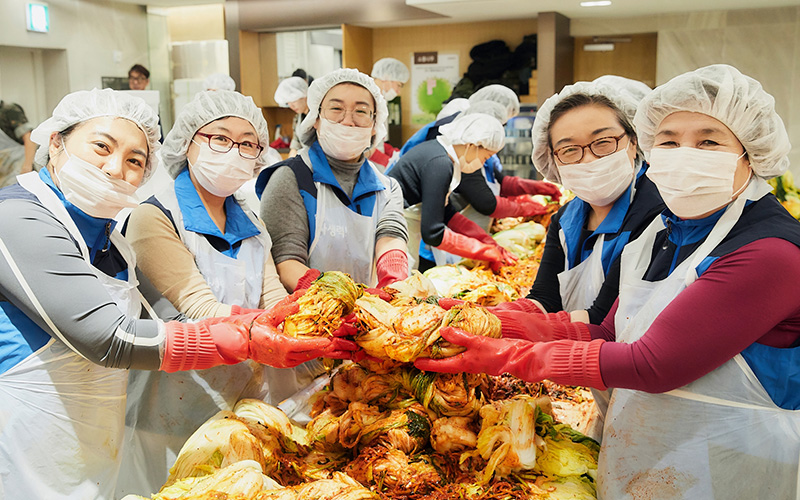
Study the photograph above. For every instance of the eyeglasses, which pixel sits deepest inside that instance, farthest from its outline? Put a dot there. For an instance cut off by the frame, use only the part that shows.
(362, 115)
(601, 147)
(223, 144)
(137, 78)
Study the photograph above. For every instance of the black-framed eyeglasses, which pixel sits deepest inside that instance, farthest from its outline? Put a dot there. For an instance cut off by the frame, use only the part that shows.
(362, 115)
(573, 153)
(222, 144)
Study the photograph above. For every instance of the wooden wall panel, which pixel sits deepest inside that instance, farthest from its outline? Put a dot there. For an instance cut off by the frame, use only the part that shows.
(268, 48)
(402, 42)
(635, 59)
(250, 65)
(357, 48)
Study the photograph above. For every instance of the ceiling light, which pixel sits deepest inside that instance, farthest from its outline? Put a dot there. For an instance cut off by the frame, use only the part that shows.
(596, 3)
(598, 47)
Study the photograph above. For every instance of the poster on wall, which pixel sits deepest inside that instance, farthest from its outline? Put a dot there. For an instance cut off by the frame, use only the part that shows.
(433, 77)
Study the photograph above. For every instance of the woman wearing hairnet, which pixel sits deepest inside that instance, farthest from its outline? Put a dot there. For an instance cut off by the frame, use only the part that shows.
(209, 255)
(291, 93)
(583, 138)
(702, 345)
(329, 208)
(430, 172)
(390, 76)
(70, 306)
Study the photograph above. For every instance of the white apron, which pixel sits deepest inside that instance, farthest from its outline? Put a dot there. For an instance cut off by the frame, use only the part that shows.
(166, 408)
(62, 416)
(413, 214)
(485, 221)
(579, 288)
(343, 239)
(719, 437)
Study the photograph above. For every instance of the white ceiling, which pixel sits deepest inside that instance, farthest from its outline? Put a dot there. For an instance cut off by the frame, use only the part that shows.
(485, 10)
(275, 15)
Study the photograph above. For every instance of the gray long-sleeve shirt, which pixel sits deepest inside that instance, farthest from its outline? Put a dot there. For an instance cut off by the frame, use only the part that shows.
(284, 213)
(71, 294)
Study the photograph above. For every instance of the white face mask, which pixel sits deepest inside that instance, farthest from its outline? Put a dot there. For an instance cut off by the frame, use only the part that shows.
(343, 142)
(389, 95)
(468, 167)
(692, 181)
(222, 174)
(599, 182)
(92, 190)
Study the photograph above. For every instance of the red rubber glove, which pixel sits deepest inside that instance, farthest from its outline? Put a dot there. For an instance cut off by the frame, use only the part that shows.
(527, 307)
(463, 225)
(507, 259)
(383, 294)
(471, 248)
(515, 186)
(305, 280)
(205, 344)
(520, 206)
(567, 362)
(539, 328)
(236, 310)
(270, 347)
(391, 266)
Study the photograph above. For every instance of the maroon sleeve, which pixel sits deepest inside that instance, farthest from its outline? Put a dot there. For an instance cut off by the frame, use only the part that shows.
(606, 330)
(747, 296)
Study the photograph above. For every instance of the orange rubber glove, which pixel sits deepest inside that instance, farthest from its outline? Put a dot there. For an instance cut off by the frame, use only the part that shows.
(464, 246)
(391, 266)
(205, 344)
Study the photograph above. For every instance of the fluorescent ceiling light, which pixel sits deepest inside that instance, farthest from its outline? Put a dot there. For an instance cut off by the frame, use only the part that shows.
(598, 47)
(597, 3)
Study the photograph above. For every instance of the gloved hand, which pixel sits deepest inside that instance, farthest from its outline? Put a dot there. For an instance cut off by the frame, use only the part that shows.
(507, 258)
(463, 225)
(305, 280)
(527, 306)
(520, 206)
(205, 344)
(237, 311)
(538, 328)
(383, 294)
(515, 186)
(391, 266)
(470, 248)
(270, 347)
(567, 362)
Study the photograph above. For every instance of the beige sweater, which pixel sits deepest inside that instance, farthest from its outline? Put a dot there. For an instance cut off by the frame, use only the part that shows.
(170, 266)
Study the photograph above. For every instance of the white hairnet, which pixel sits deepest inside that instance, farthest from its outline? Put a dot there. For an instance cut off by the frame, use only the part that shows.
(84, 105)
(456, 105)
(320, 87)
(290, 90)
(479, 129)
(498, 93)
(634, 88)
(736, 100)
(219, 81)
(490, 108)
(542, 154)
(206, 107)
(390, 69)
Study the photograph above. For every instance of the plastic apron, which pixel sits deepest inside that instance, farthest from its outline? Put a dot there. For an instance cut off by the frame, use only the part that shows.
(12, 156)
(413, 214)
(719, 437)
(343, 239)
(63, 433)
(166, 408)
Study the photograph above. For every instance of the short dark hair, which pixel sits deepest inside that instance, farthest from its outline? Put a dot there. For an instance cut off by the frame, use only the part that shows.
(578, 100)
(139, 69)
